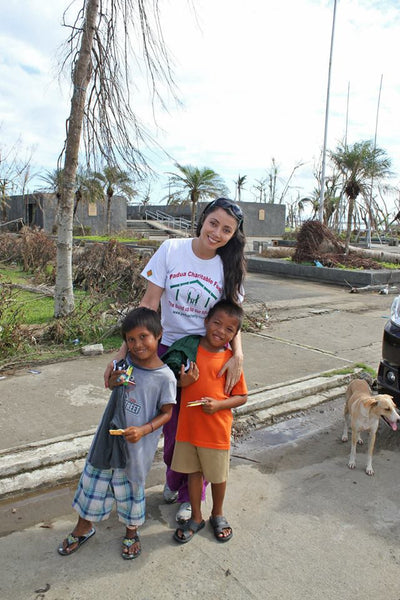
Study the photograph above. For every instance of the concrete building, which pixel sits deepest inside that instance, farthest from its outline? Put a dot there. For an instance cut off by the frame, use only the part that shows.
(39, 209)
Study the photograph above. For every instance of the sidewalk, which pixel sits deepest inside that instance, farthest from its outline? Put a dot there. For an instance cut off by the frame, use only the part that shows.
(46, 437)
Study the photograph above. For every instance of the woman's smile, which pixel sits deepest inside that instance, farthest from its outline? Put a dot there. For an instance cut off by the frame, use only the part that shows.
(218, 228)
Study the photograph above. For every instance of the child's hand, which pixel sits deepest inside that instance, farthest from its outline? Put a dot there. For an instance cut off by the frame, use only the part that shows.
(114, 379)
(134, 434)
(190, 376)
(210, 405)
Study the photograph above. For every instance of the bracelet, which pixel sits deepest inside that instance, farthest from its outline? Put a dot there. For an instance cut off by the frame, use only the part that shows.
(151, 425)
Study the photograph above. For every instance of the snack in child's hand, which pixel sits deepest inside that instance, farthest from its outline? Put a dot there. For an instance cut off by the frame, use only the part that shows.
(116, 431)
(195, 403)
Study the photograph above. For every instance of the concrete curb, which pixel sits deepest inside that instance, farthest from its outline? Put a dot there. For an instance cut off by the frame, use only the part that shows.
(346, 277)
(42, 464)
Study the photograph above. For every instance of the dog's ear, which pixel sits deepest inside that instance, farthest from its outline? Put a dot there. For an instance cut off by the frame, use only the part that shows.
(372, 402)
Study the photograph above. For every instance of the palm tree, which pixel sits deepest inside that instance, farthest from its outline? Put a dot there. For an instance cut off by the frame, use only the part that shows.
(359, 164)
(54, 181)
(193, 184)
(88, 188)
(239, 185)
(115, 181)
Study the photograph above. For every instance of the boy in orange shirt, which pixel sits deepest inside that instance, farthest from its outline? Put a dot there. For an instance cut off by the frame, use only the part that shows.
(205, 420)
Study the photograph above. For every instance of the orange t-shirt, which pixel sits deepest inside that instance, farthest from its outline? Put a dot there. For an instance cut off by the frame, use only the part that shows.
(195, 426)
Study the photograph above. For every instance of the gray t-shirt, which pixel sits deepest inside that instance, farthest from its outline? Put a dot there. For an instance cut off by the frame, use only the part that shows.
(153, 389)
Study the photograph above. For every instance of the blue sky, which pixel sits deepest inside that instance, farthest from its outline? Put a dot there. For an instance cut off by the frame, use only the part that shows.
(252, 78)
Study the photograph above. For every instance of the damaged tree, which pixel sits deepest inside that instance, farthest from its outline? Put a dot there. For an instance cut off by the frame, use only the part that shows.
(98, 51)
(315, 242)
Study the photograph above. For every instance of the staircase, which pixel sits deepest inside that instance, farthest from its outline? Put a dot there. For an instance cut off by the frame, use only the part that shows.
(145, 229)
(169, 222)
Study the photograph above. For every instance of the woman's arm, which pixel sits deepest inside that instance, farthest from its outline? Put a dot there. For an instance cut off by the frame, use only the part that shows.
(234, 365)
(152, 296)
(151, 299)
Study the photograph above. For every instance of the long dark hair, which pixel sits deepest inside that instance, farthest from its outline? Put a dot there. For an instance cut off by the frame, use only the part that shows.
(232, 254)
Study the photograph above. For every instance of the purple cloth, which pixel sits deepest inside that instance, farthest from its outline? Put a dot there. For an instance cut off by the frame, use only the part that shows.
(175, 481)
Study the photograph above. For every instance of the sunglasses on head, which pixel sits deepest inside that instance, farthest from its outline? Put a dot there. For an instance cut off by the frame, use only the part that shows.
(229, 205)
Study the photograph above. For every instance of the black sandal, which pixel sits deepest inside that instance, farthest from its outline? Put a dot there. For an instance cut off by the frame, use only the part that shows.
(219, 524)
(188, 530)
(72, 539)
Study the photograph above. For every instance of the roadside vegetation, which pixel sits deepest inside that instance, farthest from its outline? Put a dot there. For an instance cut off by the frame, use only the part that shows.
(107, 283)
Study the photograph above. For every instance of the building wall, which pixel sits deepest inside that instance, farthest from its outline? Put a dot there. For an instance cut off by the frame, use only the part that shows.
(40, 210)
(260, 220)
(29, 208)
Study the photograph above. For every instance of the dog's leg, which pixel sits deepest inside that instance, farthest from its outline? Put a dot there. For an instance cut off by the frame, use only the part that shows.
(354, 437)
(345, 434)
(371, 443)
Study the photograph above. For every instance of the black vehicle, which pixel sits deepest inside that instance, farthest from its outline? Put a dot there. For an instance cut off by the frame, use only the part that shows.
(389, 368)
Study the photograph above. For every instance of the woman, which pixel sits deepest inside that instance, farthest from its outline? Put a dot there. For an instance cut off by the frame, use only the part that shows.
(186, 277)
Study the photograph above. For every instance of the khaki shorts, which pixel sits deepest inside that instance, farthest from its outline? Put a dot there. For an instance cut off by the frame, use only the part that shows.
(214, 464)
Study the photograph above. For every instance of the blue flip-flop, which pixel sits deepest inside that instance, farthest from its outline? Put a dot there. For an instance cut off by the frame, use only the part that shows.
(73, 539)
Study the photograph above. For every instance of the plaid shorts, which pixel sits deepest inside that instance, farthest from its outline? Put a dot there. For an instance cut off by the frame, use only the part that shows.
(97, 491)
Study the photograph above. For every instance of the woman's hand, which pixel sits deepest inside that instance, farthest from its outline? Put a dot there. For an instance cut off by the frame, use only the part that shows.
(233, 368)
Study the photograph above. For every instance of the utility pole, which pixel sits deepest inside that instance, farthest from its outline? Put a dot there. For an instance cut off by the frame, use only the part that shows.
(369, 206)
(321, 196)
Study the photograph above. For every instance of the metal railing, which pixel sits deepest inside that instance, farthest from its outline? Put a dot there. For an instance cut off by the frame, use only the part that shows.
(19, 220)
(169, 220)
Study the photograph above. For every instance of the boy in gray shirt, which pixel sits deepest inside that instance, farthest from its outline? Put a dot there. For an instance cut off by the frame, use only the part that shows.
(116, 467)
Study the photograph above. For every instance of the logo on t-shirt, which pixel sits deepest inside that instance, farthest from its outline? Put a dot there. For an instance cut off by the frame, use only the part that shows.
(193, 294)
(132, 407)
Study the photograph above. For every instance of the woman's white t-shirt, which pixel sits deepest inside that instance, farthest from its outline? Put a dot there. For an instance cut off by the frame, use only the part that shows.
(191, 286)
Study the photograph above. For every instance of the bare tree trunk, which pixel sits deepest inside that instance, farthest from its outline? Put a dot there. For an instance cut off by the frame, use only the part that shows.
(350, 211)
(378, 255)
(64, 295)
(108, 215)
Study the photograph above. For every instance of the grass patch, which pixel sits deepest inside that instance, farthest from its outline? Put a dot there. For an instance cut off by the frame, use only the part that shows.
(105, 238)
(366, 368)
(120, 239)
(387, 265)
(38, 309)
(14, 274)
(349, 370)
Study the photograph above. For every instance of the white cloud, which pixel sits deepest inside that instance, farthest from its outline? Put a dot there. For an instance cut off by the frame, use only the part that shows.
(252, 77)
